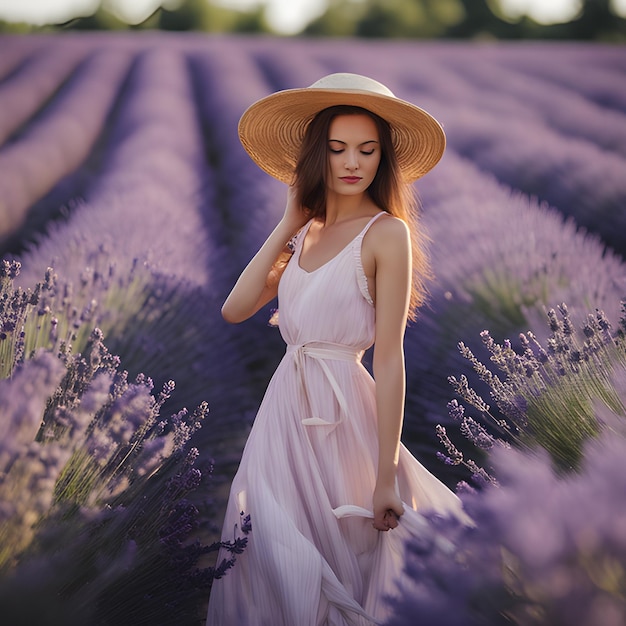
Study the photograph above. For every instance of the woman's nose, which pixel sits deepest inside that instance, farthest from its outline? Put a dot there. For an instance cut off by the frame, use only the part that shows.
(352, 162)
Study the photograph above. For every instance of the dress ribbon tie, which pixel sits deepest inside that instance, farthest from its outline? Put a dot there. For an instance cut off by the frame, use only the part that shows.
(323, 351)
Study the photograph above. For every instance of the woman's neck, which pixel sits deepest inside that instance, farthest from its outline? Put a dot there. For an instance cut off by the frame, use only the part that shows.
(340, 208)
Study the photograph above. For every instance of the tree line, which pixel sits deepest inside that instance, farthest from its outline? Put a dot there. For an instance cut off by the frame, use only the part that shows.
(412, 19)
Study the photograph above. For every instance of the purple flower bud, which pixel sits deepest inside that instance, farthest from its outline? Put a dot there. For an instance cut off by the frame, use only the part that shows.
(456, 410)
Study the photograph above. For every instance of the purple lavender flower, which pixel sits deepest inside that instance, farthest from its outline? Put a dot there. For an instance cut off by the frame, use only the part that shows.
(548, 396)
(23, 398)
(456, 410)
(545, 549)
(29, 470)
(477, 433)
(517, 258)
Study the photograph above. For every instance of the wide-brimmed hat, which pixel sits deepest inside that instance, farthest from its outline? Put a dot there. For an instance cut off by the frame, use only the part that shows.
(272, 129)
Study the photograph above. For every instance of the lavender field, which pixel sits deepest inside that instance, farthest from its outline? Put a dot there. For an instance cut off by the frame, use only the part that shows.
(127, 210)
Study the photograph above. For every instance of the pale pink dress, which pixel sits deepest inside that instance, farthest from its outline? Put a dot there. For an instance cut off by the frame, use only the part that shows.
(308, 470)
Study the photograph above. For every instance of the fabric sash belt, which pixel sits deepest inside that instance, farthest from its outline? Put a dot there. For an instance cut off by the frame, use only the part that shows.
(323, 351)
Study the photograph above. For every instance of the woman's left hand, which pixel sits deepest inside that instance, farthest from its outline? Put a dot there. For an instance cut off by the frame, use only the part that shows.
(387, 508)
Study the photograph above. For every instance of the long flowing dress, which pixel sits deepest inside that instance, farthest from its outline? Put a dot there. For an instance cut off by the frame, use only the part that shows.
(308, 470)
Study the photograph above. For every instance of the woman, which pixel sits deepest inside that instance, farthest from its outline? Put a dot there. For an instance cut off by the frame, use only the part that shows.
(331, 492)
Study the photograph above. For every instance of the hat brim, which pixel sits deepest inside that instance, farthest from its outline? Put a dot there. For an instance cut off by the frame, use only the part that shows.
(272, 129)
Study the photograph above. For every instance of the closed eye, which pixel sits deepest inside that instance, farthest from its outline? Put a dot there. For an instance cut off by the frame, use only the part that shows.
(364, 152)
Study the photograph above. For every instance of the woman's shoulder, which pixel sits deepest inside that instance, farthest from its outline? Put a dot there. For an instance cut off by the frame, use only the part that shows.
(390, 228)
(388, 236)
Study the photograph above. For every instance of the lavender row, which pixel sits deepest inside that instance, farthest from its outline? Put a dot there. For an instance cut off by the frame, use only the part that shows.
(159, 319)
(145, 248)
(30, 76)
(551, 475)
(577, 70)
(94, 501)
(500, 261)
(542, 550)
(59, 139)
(144, 199)
(248, 203)
(540, 101)
(580, 180)
(227, 83)
(139, 246)
(14, 51)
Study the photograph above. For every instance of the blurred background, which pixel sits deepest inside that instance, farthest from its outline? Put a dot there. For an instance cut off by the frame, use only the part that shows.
(599, 20)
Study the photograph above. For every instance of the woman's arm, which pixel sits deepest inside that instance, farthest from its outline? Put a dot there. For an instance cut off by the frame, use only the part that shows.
(392, 253)
(255, 287)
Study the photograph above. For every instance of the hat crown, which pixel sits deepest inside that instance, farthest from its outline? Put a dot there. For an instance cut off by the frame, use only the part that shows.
(345, 81)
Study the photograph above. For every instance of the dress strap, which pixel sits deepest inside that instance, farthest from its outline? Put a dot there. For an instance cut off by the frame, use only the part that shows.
(360, 273)
(367, 226)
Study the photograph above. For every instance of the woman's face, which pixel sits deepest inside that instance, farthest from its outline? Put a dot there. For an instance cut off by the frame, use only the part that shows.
(353, 154)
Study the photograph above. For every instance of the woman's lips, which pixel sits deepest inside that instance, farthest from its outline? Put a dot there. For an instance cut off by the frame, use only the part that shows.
(350, 179)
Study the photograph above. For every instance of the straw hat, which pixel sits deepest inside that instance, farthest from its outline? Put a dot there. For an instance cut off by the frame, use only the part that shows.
(271, 130)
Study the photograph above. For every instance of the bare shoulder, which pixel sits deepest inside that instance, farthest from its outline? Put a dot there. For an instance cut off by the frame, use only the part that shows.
(391, 226)
(386, 244)
(388, 232)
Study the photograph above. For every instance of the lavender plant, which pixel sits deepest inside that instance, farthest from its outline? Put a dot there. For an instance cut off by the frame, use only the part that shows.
(28, 473)
(546, 397)
(155, 281)
(499, 262)
(546, 548)
(146, 276)
(40, 317)
(96, 482)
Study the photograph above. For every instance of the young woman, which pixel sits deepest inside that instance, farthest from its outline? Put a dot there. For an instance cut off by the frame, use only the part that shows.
(331, 492)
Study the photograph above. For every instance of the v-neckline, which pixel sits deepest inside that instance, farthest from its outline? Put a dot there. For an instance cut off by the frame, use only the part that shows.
(348, 245)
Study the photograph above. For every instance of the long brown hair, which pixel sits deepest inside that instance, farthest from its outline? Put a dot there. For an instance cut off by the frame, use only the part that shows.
(388, 190)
